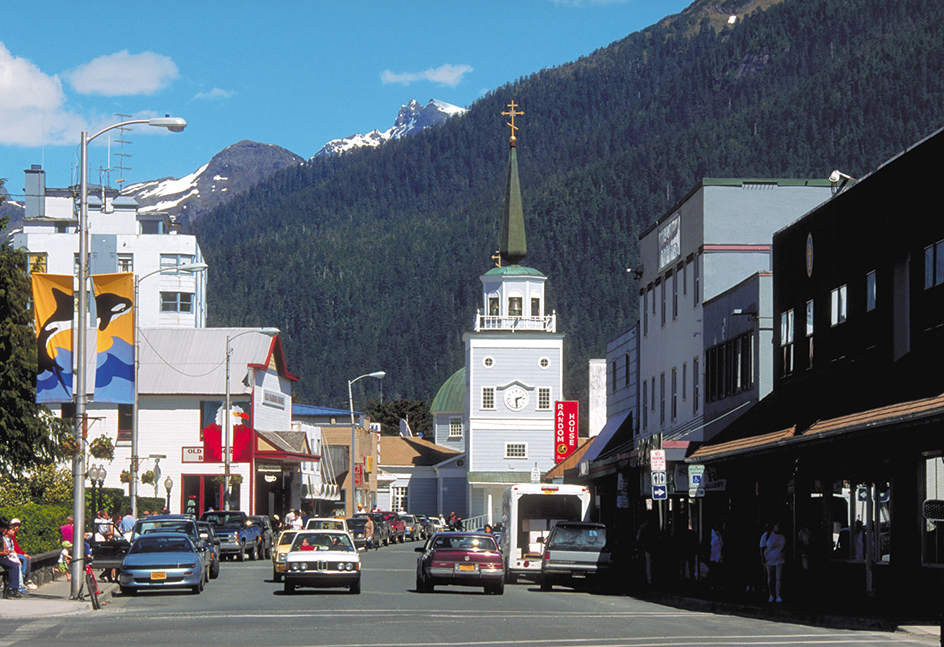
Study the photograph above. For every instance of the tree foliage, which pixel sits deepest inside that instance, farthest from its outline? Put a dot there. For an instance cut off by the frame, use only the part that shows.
(28, 432)
(372, 260)
(390, 413)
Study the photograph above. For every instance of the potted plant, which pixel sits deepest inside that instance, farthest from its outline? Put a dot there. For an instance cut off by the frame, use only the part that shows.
(235, 479)
(125, 476)
(102, 448)
(69, 446)
(147, 477)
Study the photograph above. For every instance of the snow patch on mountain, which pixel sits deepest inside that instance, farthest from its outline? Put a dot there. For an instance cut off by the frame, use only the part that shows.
(411, 119)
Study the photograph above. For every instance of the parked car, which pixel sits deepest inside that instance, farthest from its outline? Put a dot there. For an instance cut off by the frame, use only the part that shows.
(162, 560)
(575, 552)
(239, 536)
(356, 527)
(462, 558)
(213, 543)
(282, 546)
(397, 526)
(322, 559)
(265, 536)
(411, 527)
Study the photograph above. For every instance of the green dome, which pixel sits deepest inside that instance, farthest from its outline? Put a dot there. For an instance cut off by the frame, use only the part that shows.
(514, 270)
(451, 395)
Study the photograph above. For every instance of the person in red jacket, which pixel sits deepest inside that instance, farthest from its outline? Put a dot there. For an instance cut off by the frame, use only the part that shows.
(25, 560)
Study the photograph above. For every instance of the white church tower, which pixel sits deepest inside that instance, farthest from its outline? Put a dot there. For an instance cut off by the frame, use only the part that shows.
(513, 366)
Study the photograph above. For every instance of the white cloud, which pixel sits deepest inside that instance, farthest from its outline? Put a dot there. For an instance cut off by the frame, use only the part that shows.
(32, 105)
(214, 94)
(450, 75)
(123, 74)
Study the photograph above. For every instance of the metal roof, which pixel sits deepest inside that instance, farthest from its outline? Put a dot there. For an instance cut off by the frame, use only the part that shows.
(193, 360)
(513, 270)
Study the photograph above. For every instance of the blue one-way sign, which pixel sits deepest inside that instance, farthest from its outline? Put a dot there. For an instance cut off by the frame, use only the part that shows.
(659, 492)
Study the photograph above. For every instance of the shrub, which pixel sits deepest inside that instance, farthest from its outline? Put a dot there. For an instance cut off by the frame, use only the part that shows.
(39, 529)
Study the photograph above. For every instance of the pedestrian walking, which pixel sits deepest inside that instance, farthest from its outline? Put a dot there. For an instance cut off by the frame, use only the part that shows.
(774, 558)
(369, 533)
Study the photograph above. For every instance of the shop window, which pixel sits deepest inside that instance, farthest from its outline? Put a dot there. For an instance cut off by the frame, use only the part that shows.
(931, 476)
(860, 515)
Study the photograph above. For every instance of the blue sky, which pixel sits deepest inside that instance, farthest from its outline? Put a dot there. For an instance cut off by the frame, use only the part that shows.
(295, 74)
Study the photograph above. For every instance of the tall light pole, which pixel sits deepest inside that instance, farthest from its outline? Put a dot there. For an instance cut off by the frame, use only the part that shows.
(189, 268)
(378, 375)
(269, 332)
(174, 124)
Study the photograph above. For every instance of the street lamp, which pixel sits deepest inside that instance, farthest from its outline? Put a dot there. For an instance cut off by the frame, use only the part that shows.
(269, 332)
(168, 486)
(189, 268)
(378, 375)
(174, 124)
(97, 476)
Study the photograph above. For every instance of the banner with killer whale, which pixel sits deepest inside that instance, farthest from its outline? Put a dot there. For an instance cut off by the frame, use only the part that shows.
(53, 306)
(114, 365)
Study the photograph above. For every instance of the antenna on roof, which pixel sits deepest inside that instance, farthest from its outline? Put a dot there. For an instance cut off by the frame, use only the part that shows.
(121, 154)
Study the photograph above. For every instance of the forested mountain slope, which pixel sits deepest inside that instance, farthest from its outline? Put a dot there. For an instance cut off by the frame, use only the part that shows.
(372, 261)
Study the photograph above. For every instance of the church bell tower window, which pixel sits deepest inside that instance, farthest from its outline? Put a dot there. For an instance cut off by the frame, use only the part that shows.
(493, 307)
(514, 306)
(535, 307)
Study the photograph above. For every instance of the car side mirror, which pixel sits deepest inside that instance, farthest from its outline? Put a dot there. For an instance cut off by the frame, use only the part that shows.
(419, 549)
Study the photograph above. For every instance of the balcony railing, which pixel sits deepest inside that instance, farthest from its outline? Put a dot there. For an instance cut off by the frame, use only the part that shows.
(490, 322)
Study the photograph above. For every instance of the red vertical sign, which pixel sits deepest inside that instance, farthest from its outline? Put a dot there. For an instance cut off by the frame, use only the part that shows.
(565, 429)
(358, 475)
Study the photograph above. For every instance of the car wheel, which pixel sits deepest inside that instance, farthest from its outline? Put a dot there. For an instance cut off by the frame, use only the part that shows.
(276, 577)
(356, 587)
(420, 585)
(214, 570)
(268, 552)
(289, 587)
(510, 578)
(198, 588)
(546, 584)
(242, 553)
(127, 590)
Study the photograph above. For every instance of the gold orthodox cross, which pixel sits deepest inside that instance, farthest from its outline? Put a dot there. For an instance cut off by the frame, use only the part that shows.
(512, 113)
(497, 258)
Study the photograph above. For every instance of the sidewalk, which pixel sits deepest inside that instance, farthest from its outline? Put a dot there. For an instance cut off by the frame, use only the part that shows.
(52, 599)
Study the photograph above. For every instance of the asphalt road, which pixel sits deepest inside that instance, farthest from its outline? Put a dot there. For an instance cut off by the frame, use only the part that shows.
(245, 607)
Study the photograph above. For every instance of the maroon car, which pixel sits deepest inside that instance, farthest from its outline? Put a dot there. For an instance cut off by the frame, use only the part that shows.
(397, 526)
(460, 558)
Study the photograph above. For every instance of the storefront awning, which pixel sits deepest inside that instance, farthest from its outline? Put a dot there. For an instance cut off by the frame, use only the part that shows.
(281, 446)
(492, 478)
(611, 431)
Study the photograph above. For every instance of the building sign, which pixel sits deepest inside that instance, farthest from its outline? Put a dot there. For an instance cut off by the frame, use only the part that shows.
(269, 468)
(358, 475)
(191, 454)
(670, 246)
(565, 429)
(622, 491)
(273, 399)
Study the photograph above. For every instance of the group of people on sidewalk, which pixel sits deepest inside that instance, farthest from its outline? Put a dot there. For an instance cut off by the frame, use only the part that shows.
(16, 563)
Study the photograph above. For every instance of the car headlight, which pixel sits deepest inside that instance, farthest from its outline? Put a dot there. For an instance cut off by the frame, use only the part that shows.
(281, 558)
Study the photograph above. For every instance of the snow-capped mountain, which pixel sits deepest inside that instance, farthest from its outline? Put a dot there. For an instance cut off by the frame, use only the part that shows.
(231, 171)
(411, 119)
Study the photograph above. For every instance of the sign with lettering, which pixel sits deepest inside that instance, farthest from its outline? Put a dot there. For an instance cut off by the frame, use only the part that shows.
(657, 460)
(273, 399)
(566, 427)
(191, 454)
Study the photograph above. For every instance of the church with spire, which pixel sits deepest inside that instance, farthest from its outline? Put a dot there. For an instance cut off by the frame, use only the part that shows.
(499, 409)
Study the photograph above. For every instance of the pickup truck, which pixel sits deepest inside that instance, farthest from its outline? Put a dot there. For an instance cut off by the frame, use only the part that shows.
(239, 536)
(397, 526)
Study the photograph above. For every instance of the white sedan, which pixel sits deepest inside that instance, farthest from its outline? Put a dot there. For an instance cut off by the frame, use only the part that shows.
(322, 559)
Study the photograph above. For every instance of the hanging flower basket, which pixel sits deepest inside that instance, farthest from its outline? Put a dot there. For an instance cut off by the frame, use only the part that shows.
(70, 447)
(218, 479)
(235, 479)
(147, 477)
(125, 476)
(102, 448)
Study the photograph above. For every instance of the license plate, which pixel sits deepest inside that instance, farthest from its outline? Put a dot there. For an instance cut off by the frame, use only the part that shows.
(158, 575)
(467, 567)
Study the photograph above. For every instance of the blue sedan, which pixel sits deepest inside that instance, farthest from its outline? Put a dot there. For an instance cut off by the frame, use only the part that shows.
(162, 560)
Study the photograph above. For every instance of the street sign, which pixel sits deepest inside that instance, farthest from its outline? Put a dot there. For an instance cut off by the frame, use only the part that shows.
(696, 480)
(658, 479)
(657, 460)
(659, 493)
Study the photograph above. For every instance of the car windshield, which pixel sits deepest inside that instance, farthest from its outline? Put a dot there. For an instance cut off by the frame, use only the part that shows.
(464, 542)
(151, 544)
(223, 519)
(167, 525)
(286, 538)
(325, 524)
(356, 523)
(590, 539)
(408, 518)
(321, 541)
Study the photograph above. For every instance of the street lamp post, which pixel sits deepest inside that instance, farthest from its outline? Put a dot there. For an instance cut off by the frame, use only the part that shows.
(174, 124)
(189, 268)
(378, 375)
(269, 332)
(168, 486)
(97, 476)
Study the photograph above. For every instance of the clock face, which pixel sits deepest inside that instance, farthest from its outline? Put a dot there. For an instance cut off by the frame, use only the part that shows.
(516, 398)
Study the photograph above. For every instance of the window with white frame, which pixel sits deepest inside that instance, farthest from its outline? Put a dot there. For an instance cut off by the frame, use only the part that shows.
(399, 497)
(455, 427)
(516, 450)
(837, 305)
(170, 261)
(786, 340)
(176, 302)
(38, 262)
(809, 332)
(488, 397)
(126, 262)
(544, 398)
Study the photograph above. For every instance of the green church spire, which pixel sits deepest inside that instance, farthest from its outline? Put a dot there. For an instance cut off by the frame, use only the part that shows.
(514, 247)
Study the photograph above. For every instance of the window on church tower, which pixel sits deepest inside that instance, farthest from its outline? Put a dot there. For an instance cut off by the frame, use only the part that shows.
(544, 398)
(455, 427)
(514, 306)
(516, 450)
(494, 309)
(488, 397)
(535, 307)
